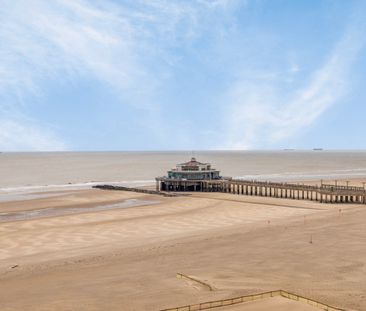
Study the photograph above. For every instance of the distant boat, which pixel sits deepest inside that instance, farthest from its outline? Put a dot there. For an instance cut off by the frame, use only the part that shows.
(318, 149)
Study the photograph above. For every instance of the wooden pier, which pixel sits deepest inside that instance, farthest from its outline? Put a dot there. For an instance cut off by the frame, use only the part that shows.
(325, 193)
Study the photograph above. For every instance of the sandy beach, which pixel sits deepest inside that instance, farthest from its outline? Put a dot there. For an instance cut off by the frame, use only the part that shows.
(173, 155)
(127, 258)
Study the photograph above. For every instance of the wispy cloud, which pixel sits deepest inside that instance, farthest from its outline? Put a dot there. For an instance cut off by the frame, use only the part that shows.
(122, 45)
(261, 113)
(64, 39)
(56, 41)
(110, 41)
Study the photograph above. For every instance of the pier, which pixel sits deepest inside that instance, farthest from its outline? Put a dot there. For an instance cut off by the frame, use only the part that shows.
(201, 177)
(325, 193)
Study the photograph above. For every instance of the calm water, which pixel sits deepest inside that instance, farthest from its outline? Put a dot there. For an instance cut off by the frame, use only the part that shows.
(31, 170)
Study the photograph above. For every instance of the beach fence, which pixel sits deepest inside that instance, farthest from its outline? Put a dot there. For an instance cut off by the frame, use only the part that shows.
(253, 297)
(189, 278)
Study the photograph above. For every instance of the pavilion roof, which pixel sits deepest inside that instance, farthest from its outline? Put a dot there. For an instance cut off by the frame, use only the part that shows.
(193, 162)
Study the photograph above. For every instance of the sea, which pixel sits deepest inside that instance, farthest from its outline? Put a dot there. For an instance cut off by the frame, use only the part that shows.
(34, 171)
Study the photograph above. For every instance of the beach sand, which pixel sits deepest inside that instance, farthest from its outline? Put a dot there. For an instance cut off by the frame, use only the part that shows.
(127, 258)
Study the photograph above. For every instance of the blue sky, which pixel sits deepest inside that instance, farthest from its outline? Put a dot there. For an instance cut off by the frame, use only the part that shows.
(168, 75)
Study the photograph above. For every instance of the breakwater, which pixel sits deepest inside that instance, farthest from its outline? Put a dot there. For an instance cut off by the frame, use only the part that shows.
(139, 190)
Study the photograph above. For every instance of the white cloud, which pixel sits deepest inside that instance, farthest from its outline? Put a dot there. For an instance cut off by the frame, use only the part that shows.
(64, 38)
(260, 113)
(123, 46)
(61, 39)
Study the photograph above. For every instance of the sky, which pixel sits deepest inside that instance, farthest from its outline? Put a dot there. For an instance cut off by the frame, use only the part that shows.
(85, 75)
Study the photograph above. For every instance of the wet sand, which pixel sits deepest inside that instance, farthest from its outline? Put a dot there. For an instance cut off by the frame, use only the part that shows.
(60, 211)
(127, 259)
